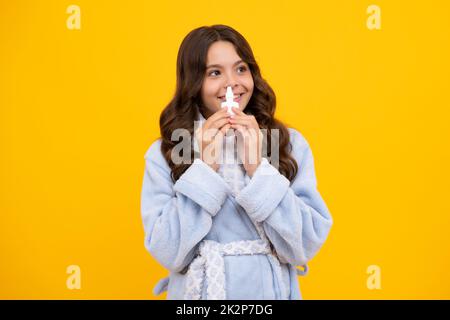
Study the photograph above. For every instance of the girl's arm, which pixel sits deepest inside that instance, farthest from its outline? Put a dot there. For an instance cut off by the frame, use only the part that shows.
(295, 218)
(178, 216)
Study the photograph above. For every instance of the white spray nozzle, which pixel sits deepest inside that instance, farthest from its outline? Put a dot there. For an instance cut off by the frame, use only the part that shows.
(229, 95)
(229, 103)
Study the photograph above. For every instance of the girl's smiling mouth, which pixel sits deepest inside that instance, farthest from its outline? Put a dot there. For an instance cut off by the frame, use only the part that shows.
(236, 98)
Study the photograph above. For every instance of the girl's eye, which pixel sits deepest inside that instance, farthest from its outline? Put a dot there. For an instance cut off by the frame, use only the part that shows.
(243, 68)
(213, 71)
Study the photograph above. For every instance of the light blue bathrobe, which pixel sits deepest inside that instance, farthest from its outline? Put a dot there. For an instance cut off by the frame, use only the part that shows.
(199, 205)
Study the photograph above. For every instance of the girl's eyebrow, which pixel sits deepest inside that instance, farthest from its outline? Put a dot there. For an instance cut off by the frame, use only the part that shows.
(219, 66)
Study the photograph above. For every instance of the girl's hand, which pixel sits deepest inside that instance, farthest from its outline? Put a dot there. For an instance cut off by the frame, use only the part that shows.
(249, 138)
(210, 138)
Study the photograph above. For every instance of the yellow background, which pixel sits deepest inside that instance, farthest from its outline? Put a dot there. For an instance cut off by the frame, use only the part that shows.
(79, 108)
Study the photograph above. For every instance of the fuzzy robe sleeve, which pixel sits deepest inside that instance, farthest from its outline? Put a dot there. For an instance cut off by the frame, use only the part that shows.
(294, 215)
(177, 216)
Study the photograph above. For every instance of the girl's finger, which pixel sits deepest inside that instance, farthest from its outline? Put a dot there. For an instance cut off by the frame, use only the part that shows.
(241, 129)
(237, 111)
(241, 121)
(241, 115)
(219, 123)
(221, 114)
(225, 128)
(250, 133)
(209, 135)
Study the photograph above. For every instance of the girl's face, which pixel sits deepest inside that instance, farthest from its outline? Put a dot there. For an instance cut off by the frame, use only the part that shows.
(225, 68)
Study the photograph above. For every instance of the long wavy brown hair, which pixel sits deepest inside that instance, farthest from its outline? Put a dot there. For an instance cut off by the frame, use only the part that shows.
(182, 110)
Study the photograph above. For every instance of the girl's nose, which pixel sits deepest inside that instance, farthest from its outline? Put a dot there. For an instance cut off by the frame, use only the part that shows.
(232, 84)
(230, 81)
(233, 88)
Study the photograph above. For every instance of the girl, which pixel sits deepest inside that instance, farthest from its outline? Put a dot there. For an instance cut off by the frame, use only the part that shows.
(235, 230)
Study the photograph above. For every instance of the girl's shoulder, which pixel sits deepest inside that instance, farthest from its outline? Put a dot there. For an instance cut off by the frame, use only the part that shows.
(154, 154)
(298, 141)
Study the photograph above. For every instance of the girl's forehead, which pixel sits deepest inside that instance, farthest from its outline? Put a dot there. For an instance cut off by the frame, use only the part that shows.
(222, 51)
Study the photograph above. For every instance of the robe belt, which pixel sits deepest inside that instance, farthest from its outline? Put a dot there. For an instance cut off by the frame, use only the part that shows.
(210, 263)
(209, 267)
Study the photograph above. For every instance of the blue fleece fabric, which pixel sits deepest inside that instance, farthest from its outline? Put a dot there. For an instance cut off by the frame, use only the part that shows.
(200, 205)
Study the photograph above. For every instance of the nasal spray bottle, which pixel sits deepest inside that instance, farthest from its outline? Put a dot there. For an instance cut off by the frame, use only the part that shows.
(229, 171)
(229, 103)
